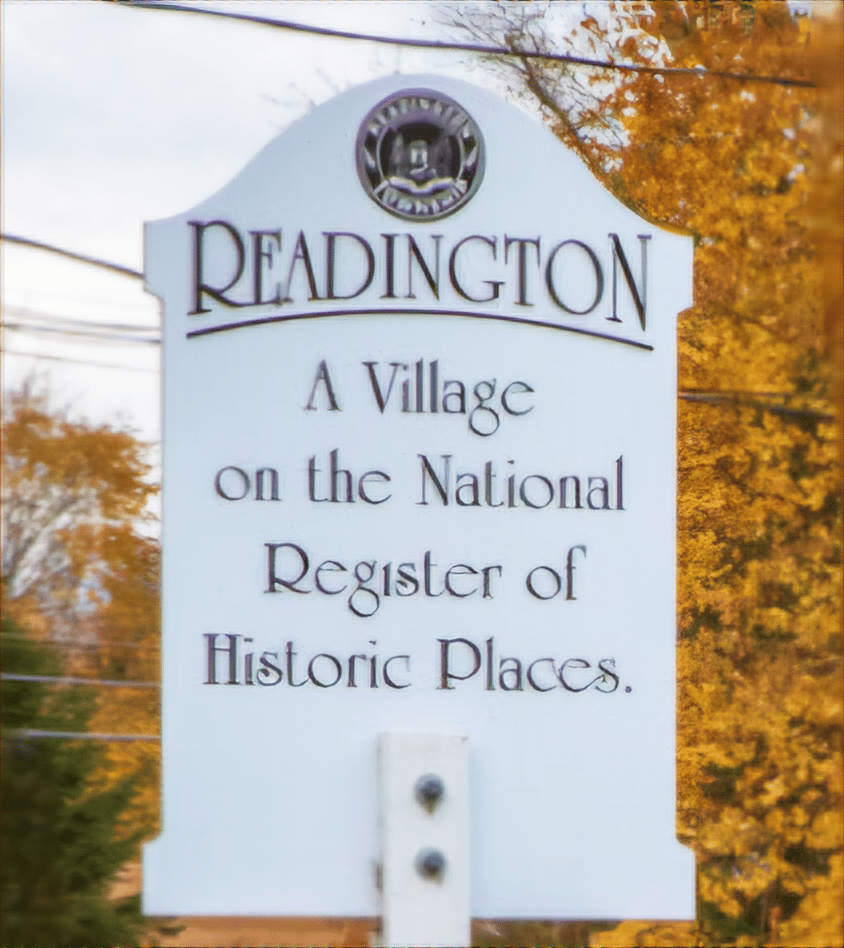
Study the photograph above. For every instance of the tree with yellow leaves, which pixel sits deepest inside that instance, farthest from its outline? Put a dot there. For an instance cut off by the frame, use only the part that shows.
(74, 494)
(81, 572)
(735, 163)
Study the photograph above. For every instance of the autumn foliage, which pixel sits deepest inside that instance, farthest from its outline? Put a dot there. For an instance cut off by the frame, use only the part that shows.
(80, 572)
(751, 170)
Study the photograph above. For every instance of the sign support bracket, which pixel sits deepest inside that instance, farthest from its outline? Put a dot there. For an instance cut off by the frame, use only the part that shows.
(424, 802)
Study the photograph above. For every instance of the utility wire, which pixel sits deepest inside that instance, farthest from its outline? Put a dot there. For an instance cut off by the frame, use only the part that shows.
(747, 400)
(79, 335)
(79, 299)
(25, 313)
(73, 680)
(99, 365)
(84, 735)
(468, 47)
(81, 257)
(750, 399)
(67, 644)
(709, 398)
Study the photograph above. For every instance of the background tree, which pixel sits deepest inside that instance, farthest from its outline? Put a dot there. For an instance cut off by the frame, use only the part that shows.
(74, 496)
(62, 843)
(735, 164)
(81, 572)
(126, 628)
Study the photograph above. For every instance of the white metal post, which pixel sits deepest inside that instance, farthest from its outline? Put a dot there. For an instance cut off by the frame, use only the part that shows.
(425, 839)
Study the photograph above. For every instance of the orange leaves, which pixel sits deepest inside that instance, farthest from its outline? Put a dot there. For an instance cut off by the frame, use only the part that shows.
(77, 565)
(638, 934)
(68, 488)
(753, 171)
(759, 499)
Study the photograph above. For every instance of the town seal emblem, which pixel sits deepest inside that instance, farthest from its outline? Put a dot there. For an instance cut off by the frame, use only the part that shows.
(420, 155)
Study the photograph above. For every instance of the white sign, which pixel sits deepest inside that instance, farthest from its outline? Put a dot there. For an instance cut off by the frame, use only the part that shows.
(419, 476)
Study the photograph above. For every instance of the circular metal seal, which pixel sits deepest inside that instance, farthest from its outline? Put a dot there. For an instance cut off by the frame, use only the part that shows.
(420, 155)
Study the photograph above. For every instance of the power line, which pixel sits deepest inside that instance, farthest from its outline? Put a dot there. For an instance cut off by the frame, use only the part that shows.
(469, 47)
(84, 736)
(100, 301)
(71, 645)
(73, 680)
(24, 312)
(99, 365)
(747, 400)
(72, 255)
(80, 335)
(731, 397)
(709, 398)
